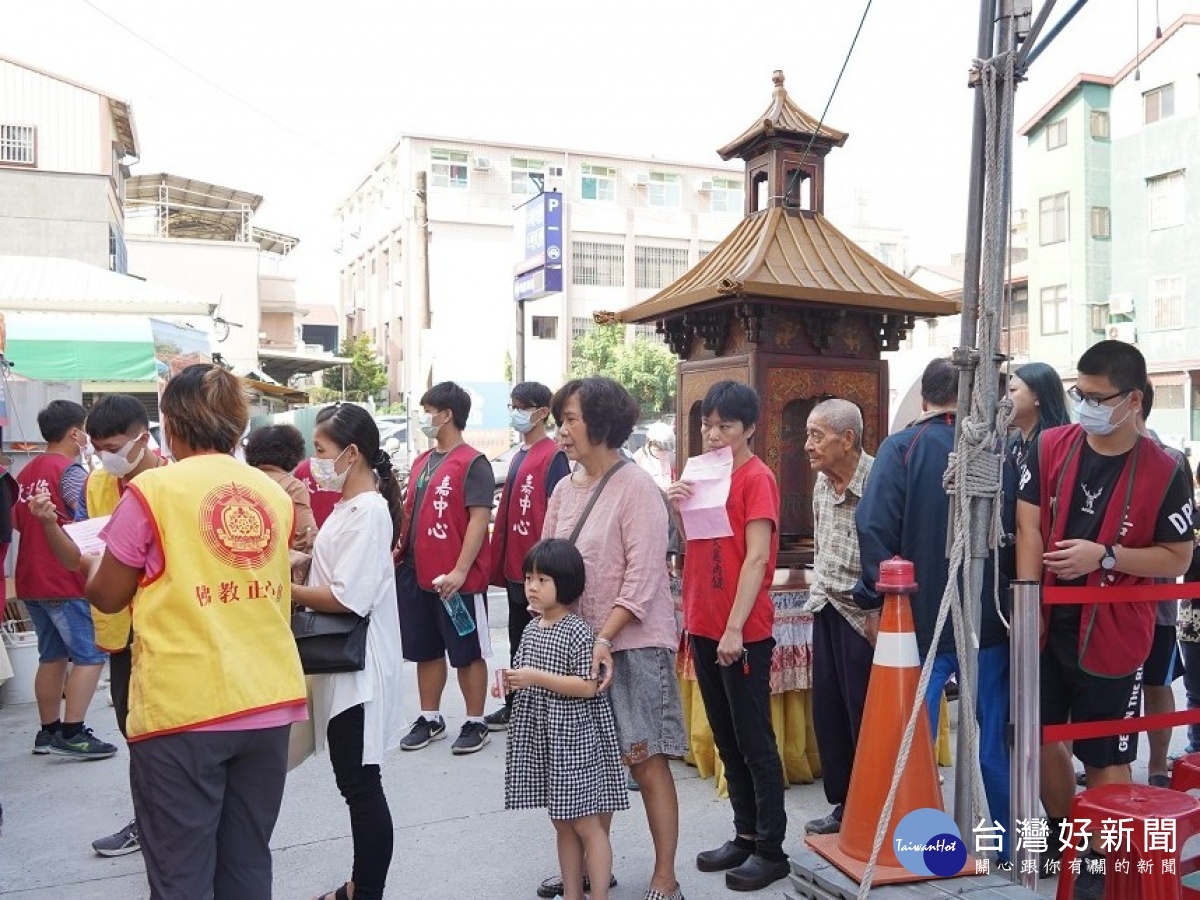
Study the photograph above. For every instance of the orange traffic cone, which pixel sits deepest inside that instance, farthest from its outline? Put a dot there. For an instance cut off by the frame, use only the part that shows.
(895, 672)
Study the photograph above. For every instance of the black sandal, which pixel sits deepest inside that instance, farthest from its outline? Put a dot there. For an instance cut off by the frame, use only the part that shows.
(340, 894)
(553, 886)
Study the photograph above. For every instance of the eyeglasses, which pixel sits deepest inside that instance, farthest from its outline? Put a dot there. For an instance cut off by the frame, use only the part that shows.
(1074, 393)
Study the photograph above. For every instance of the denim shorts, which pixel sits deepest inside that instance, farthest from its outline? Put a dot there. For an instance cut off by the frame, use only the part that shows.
(645, 702)
(65, 630)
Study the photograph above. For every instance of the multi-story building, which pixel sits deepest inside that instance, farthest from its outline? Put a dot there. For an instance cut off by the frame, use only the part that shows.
(1112, 166)
(631, 226)
(203, 237)
(63, 154)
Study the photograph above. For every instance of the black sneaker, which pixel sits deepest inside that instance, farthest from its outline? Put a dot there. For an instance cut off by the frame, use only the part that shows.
(471, 739)
(84, 745)
(423, 732)
(41, 742)
(498, 721)
(127, 840)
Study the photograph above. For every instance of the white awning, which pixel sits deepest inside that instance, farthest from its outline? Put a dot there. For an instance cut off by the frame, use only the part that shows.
(55, 284)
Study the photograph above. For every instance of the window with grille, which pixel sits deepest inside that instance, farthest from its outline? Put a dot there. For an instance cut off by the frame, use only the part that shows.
(1101, 222)
(727, 195)
(1053, 218)
(522, 184)
(448, 168)
(1101, 127)
(664, 189)
(1166, 200)
(598, 264)
(1098, 312)
(18, 145)
(581, 325)
(1159, 103)
(647, 332)
(1056, 316)
(1056, 134)
(656, 267)
(545, 327)
(1018, 324)
(1168, 396)
(598, 183)
(1166, 302)
(704, 251)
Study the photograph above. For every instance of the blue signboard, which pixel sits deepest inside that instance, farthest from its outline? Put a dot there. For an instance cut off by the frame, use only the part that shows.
(540, 224)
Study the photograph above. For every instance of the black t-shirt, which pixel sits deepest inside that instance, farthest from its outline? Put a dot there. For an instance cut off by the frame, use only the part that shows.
(1098, 483)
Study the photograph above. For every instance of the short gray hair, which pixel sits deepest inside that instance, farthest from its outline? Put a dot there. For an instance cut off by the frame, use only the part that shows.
(841, 416)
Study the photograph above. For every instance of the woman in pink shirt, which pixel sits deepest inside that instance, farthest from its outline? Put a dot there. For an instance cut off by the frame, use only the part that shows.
(627, 601)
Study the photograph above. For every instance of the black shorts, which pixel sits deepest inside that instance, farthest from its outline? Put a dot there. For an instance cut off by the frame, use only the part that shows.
(1068, 694)
(426, 631)
(1164, 664)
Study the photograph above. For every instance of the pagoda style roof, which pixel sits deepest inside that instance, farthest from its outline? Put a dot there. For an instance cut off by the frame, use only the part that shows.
(791, 255)
(782, 116)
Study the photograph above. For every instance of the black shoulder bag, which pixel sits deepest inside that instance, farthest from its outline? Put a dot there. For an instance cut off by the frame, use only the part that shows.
(330, 643)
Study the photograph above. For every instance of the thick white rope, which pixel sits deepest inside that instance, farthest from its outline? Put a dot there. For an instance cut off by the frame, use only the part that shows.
(974, 469)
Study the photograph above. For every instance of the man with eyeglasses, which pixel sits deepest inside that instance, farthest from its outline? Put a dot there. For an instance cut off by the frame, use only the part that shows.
(1098, 506)
(534, 472)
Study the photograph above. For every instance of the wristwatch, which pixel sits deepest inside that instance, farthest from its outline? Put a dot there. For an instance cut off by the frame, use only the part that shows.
(1108, 561)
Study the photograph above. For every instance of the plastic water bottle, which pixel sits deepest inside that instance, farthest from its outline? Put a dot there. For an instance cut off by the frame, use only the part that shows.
(456, 609)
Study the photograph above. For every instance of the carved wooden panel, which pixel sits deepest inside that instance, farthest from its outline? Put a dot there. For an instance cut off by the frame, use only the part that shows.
(695, 380)
(789, 395)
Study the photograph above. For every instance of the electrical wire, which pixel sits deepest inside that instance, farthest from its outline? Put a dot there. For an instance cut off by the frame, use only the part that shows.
(845, 62)
(195, 73)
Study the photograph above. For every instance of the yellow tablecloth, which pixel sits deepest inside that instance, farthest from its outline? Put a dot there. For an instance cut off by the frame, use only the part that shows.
(791, 701)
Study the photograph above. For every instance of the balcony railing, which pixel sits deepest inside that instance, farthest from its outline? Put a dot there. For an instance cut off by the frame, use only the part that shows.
(1014, 341)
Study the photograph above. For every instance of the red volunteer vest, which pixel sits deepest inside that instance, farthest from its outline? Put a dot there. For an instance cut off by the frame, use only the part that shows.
(511, 539)
(39, 575)
(438, 529)
(1114, 638)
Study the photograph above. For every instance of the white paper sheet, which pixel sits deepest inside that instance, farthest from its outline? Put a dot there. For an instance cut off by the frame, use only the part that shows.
(86, 534)
(704, 514)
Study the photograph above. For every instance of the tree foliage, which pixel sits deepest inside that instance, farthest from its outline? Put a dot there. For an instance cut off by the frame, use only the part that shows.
(644, 367)
(365, 376)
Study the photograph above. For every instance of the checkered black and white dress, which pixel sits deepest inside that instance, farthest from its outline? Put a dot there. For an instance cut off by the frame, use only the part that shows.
(562, 751)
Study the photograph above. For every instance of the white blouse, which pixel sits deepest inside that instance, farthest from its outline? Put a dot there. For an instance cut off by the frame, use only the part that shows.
(353, 555)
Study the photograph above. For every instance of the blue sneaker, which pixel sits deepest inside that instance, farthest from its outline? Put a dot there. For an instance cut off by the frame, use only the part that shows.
(84, 745)
(41, 742)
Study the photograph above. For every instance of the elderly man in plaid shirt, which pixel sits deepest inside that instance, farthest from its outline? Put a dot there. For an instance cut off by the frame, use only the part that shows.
(843, 633)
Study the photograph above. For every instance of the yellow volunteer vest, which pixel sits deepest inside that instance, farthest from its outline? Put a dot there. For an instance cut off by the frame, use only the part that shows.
(112, 631)
(212, 638)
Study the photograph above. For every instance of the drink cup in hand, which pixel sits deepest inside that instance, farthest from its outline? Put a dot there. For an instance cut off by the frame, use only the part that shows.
(498, 689)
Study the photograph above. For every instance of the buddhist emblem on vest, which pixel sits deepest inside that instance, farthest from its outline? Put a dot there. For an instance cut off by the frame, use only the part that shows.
(237, 526)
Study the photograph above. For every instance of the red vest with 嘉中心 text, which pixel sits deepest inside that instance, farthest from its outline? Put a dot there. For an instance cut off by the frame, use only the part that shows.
(1114, 638)
(39, 574)
(439, 528)
(521, 513)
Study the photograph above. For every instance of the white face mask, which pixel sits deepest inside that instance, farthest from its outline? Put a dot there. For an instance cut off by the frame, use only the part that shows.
(521, 420)
(325, 473)
(1098, 419)
(119, 464)
(425, 423)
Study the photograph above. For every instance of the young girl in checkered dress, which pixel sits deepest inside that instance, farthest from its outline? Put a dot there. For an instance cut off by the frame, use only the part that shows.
(562, 739)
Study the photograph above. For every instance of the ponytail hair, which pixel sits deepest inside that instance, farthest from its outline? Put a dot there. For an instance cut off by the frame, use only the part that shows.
(206, 407)
(347, 424)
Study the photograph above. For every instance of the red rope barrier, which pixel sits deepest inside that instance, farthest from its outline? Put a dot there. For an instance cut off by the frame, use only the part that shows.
(1137, 593)
(1074, 731)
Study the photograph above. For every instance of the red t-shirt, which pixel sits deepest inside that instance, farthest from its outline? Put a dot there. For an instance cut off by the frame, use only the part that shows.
(711, 566)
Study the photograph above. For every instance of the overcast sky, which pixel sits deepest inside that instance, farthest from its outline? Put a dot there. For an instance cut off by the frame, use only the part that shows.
(334, 84)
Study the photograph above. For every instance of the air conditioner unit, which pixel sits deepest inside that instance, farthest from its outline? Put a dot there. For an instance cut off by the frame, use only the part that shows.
(1120, 304)
(704, 185)
(1123, 331)
(482, 164)
(554, 171)
(641, 179)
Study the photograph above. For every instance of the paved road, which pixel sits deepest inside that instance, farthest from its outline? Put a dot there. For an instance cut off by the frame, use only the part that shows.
(453, 836)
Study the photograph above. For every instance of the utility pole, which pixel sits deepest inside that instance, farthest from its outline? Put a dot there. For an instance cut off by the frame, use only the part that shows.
(421, 289)
(519, 359)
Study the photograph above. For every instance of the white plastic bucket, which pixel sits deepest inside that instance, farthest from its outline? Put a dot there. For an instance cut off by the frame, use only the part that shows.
(23, 656)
